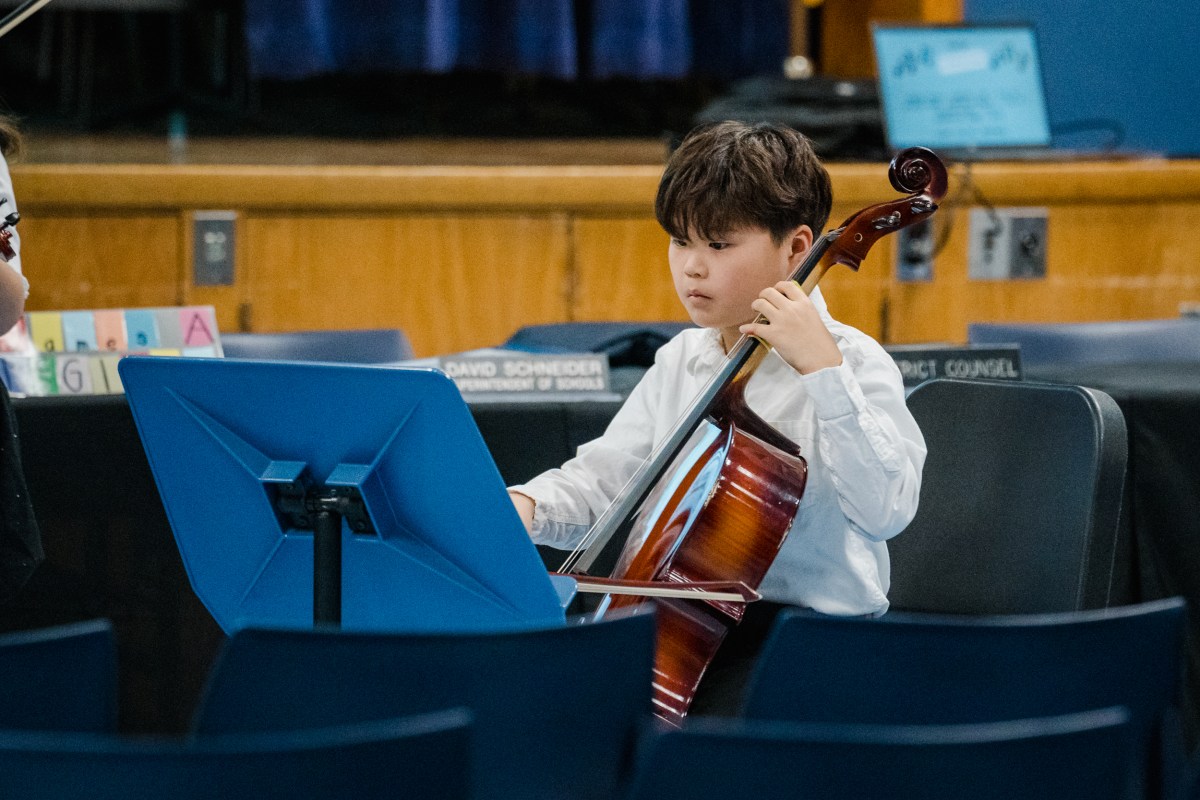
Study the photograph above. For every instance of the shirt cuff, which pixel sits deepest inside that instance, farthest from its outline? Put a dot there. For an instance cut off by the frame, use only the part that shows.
(834, 391)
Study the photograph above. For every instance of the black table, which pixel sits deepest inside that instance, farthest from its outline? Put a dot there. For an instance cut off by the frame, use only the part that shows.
(110, 551)
(1160, 554)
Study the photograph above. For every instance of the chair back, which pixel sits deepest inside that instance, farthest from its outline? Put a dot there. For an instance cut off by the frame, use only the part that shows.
(1020, 500)
(1077, 343)
(59, 679)
(929, 669)
(366, 346)
(556, 711)
(424, 756)
(1080, 756)
(932, 669)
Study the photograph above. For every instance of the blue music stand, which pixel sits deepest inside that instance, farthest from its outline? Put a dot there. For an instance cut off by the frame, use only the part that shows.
(381, 470)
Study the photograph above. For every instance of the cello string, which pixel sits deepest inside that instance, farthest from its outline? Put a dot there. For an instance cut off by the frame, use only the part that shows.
(602, 522)
(22, 13)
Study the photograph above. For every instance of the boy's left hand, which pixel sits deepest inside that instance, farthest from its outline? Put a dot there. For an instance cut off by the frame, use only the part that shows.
(794, 328)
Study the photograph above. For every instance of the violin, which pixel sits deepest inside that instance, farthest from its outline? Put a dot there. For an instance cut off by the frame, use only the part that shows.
(6, 249)
(700, 523)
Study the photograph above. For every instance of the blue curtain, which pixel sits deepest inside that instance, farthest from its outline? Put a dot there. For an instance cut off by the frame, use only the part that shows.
(288, 40)
(634, 38)
(738, 39)
(302, 38)
(641, 38)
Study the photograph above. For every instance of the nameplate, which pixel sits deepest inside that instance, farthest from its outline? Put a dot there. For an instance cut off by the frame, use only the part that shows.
(528, 375)
(920, 363)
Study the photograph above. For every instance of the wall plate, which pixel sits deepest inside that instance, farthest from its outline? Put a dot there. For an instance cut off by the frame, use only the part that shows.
(1007, 244)
(212, 248)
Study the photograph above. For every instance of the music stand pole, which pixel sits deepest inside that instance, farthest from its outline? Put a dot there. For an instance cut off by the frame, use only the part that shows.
(327, 568)
(322, 509)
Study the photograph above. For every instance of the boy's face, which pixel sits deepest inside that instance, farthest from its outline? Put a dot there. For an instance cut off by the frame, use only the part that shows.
(718, 279)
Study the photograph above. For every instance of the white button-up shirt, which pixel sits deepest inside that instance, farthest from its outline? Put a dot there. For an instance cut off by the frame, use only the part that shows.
(863, 447)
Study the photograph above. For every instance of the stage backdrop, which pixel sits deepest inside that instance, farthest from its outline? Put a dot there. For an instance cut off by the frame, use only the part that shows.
(564, 39)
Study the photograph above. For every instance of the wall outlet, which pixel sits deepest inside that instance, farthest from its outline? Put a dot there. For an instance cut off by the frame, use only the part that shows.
(914, 252)
(1007, 244)
(212, 248)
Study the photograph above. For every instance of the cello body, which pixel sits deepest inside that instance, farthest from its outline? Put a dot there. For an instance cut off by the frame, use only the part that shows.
(736, 491)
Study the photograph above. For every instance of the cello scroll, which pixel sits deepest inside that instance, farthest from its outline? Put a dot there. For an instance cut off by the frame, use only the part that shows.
(916, 171)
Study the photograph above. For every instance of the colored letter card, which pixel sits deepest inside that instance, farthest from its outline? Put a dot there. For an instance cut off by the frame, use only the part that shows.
(79, 330)
(141, 327)
(110, 330)
(45, 328)
(74, 374)
(198, 326)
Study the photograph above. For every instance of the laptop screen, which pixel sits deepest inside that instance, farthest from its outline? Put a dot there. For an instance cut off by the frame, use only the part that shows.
(961, 87)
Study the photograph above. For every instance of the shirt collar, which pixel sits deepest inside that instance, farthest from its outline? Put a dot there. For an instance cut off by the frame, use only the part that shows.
(709, 354)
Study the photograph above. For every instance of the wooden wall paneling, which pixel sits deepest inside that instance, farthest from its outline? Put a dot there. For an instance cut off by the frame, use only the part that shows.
(570, 243)
(1108, 261)
(91, 260)
(1103, 262)
(453, 282)
(857, 298)
(846, 49)
(352, 189)
(621, 271)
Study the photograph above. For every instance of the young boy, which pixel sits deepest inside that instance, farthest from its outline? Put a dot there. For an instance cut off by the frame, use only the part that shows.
(742, 204)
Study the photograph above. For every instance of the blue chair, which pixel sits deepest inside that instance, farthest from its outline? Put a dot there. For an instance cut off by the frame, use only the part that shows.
(1076, 343)
(59, 679)
(1191, 790)
(557, 711)
(628, 344)
(367, 346)
(423, 756)
(1074, 757)
(928, 669)
(1020, 500)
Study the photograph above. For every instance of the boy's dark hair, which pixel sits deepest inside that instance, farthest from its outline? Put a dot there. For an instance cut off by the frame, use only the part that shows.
(729, 175)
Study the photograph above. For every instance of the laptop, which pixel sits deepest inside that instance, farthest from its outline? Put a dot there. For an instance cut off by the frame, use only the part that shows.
(967, 92)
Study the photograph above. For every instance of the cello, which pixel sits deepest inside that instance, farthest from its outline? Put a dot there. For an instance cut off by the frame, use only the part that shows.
(711, 506)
